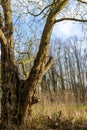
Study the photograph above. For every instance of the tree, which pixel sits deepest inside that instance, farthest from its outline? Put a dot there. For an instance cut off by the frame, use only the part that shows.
(18, 94)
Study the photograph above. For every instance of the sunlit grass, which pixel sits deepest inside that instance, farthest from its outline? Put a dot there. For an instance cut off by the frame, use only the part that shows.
(76, 113)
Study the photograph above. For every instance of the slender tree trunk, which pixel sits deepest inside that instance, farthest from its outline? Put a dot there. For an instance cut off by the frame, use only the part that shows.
(54, 80)
(61, 72)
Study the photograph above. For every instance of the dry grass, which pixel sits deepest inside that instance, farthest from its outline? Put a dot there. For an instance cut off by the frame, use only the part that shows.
(69, 108)
(63, 107)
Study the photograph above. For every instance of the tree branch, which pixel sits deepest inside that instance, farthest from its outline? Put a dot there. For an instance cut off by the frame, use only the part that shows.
(84, 2)
(70, 19)
(57, 6)
(2, 38)
(24, 63)
(40, 12)
(49, 64)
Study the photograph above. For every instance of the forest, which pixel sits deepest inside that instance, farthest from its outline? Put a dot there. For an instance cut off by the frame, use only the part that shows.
(43, 65)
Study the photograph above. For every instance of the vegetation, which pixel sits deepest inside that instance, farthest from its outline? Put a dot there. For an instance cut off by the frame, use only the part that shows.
(58, 114)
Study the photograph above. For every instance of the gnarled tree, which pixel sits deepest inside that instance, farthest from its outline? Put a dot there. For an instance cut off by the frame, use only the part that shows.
(18, 94)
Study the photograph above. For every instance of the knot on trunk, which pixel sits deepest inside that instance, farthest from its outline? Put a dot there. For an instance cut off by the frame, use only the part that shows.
(34, 100)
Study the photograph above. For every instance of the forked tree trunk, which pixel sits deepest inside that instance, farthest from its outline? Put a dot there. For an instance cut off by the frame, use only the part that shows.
(18, 94)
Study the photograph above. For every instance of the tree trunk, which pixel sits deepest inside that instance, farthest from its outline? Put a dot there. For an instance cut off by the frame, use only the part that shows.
(18, 95)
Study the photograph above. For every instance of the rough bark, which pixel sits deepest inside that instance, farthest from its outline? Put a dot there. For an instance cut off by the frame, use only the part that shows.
(9, 70)
(18, 95)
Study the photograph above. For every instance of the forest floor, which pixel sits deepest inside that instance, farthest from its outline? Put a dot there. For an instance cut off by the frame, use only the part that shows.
(58, 114)
(44, 122)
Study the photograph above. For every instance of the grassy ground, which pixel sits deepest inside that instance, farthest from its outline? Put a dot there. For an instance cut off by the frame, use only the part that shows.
(58, 114)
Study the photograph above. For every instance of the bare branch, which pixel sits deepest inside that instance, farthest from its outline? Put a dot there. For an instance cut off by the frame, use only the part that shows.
(24, 63)
(70, 19)
(84, 2)
(49, 64)
(40, 12)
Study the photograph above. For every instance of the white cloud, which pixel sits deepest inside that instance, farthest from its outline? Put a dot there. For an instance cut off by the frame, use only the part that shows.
(67, 29)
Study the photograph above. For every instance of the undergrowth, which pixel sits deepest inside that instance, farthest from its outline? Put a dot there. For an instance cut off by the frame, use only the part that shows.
(59, 114)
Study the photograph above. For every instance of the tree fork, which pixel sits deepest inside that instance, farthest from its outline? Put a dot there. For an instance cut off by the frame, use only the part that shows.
(17, 94)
